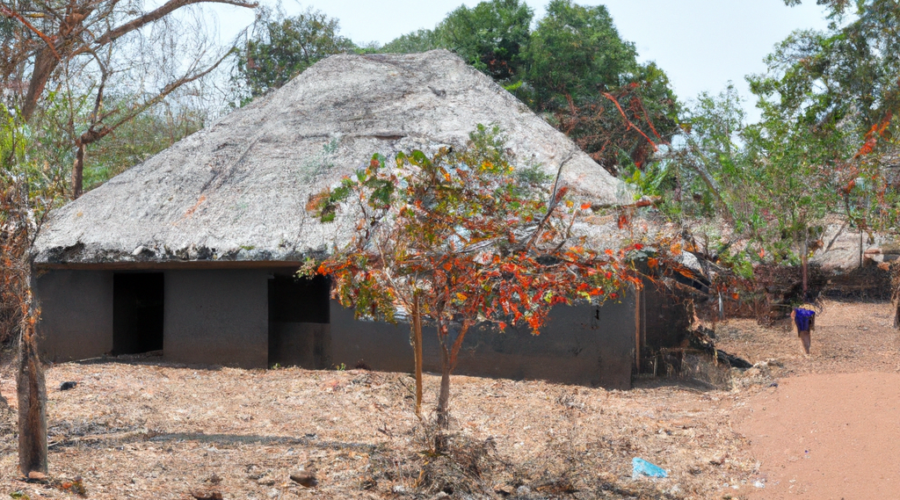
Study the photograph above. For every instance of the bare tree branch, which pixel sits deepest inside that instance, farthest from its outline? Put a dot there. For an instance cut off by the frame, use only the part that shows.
(159, 13)
(7, 12)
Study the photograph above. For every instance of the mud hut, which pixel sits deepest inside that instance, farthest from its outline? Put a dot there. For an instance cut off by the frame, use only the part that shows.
(192, 252)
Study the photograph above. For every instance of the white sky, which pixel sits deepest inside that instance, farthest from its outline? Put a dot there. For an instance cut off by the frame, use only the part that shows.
(701, 44)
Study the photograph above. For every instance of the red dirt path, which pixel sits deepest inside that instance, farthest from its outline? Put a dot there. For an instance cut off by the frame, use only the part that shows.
(827, 436)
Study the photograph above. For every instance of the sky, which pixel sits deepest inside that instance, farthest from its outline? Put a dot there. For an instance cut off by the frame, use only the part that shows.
(700, 44)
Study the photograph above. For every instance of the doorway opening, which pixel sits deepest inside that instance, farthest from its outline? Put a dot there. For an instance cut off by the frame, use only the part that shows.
(299, 317)
(138, 313)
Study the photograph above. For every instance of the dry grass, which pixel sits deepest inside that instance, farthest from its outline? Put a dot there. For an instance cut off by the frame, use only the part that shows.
(146, 429)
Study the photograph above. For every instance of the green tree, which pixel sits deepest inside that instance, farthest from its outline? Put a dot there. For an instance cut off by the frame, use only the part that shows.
(840, 92)
(822, 148)
(574, 68)
(575, 51)
(848, 73)
(421, 40)
(281, 47)
(489, 36)
(710, 160)
(139, 139)
(772, 180)
(581, 72)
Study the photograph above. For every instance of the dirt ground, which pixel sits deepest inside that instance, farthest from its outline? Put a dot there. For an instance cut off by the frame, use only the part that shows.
(849, 337)
(147, 429)
(828, 436)
(829, 429)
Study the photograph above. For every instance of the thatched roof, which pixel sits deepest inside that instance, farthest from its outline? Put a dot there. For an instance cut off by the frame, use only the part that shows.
(237, 190)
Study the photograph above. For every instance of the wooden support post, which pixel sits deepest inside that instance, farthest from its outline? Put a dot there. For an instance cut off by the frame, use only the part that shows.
(637, 327)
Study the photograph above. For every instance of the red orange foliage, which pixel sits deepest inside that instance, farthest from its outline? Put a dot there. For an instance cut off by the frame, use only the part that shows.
(468, 239)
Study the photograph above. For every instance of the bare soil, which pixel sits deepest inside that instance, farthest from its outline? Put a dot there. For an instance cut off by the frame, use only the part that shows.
(829, 429)
(828, 436)
(849, 337)
(147, 429)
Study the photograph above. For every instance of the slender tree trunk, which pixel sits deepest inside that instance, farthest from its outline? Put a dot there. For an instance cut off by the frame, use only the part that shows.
(860, 246)
(417, 351)
(804, 262)
(443, 409)
(448, 363)
(78, 171)
(32, 397)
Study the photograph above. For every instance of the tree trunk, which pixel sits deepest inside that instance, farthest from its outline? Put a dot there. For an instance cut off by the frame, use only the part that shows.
(804, 263)
(44, 64)
(443, 409)
(78, 171)
(32, 397)
(417, 352)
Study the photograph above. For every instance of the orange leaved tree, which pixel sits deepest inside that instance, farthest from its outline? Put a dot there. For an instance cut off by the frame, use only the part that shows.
(459, 238)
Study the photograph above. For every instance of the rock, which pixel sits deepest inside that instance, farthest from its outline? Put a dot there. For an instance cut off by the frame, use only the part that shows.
(504, 489)
(398, 489)
(732, 360)
(523, 490)
(37, 476)
(207, 495)
(306, 479)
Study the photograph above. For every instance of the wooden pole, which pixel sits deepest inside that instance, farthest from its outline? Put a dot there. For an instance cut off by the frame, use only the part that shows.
(32, 396)
(637, 328)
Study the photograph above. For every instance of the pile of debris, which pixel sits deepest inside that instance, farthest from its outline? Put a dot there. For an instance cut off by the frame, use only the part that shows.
(697, 359)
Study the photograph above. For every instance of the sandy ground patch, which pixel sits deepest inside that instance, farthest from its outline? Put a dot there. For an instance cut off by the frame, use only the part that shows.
(828, 436)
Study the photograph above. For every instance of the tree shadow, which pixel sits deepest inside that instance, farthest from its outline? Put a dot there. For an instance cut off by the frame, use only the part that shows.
(225, 440)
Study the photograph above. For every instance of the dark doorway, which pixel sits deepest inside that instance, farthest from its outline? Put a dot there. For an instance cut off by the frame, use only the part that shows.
(137, 313)
(299, 318)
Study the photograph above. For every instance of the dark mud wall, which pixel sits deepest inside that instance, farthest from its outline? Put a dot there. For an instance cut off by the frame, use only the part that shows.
(217, 317)
(583, 345)
(76, 314)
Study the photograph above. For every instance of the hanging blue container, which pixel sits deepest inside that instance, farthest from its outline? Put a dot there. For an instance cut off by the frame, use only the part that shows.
(641, 467)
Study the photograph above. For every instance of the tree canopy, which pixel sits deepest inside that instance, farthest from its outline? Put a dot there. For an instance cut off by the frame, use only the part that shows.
(280, 47)
(824, 146)
(463, 237)
(573, 67)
